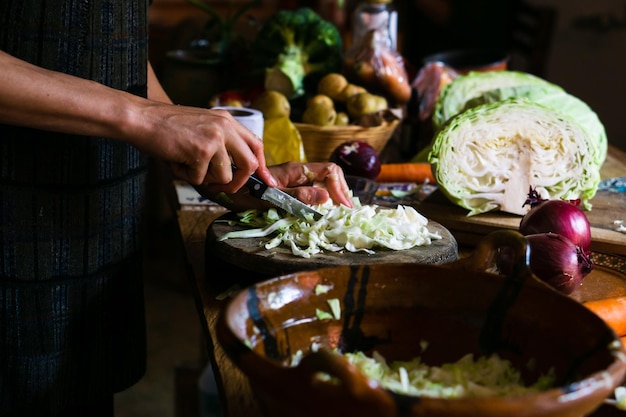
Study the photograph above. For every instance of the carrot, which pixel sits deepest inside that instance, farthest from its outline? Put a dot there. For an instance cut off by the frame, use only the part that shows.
(418, 172)
(393, 77)
(612, 311)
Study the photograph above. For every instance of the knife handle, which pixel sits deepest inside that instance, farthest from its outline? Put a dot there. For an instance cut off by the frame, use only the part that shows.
(254, 185)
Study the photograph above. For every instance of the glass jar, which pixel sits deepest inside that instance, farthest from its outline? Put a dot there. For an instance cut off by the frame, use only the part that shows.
(378, 15)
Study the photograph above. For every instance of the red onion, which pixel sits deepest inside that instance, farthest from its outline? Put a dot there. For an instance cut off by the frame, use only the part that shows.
(557, 216)
(556, 260)
(357, 158)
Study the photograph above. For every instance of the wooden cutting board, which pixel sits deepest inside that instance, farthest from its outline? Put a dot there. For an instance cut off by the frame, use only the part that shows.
(608, 206)
(249, 253)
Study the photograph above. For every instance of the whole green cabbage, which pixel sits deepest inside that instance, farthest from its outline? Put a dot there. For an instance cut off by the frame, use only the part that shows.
(487, 157)
(476, 88)
(455, 96)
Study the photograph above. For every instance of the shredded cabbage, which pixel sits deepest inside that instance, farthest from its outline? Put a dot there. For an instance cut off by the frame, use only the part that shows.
(358, 229)
(322, 289)
(323, 315)
(335, 307)
(467, 377)
(620, 397)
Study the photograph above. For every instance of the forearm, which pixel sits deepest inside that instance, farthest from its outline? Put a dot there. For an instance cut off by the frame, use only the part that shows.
(187, 137)
(35, 97)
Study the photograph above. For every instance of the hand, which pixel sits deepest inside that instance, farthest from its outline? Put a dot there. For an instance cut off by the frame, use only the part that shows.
(201, 146)
(199, 143)
(312, 183)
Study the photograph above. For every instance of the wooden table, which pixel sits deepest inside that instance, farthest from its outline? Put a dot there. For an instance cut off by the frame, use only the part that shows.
(237, 398)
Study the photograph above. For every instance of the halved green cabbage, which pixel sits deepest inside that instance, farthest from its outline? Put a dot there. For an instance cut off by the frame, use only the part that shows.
(487, 157)
(558, 100)
(454, 96)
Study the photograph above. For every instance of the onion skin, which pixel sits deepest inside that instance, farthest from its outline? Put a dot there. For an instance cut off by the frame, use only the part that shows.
(357, 158)
(558, 216)
(556, 260)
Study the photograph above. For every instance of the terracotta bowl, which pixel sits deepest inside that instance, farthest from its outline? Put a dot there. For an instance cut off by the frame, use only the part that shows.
(458, 308)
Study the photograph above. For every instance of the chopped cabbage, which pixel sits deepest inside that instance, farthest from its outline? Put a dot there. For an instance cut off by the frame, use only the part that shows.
(488, 157)
(335, 307)
(620, 397)
(323, 315)
(467, 377)
(358, 229)
(335, 310)
(322, 289)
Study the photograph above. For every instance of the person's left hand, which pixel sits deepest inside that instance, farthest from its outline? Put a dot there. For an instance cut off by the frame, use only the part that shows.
(312, 183)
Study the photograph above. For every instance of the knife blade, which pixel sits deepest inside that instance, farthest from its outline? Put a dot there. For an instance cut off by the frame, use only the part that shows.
(280, 198)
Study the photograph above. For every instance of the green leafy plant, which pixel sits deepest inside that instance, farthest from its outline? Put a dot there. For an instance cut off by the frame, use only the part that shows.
(297, 47)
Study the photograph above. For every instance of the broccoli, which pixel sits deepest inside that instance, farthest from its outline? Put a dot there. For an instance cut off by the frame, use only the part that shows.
(295, 47)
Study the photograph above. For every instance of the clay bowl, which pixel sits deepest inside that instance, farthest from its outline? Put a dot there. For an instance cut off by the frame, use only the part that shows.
(458, 308)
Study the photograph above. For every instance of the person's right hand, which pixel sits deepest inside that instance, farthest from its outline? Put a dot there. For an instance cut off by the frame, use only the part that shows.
(201, 146)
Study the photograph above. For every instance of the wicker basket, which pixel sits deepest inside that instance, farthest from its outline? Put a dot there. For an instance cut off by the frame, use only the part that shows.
(320, 141)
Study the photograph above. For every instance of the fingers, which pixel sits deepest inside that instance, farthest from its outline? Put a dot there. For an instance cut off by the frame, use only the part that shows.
(248, 156)
(315, 182)
(252, 159)
(220, 169)
(310, 195)
(203, 144)
(337, 187)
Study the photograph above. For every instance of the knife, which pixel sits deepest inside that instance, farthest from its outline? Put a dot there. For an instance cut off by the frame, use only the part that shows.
(279, 198)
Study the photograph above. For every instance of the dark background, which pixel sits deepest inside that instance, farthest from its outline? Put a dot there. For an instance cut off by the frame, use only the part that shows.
(587, 53)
